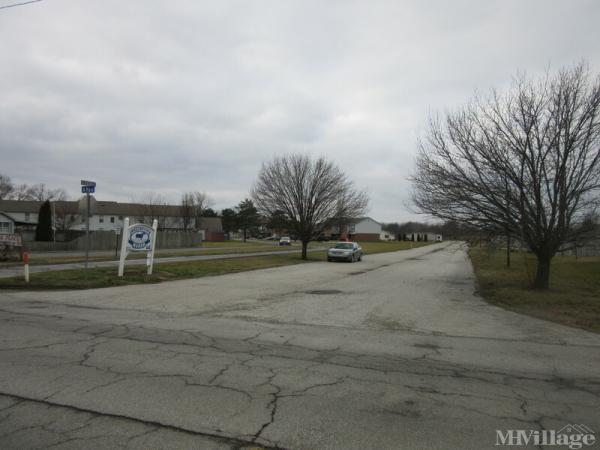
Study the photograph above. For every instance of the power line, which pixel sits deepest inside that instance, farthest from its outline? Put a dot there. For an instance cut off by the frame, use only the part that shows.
(19, 4)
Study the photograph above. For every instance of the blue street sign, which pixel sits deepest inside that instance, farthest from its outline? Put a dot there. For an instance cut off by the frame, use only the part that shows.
(88, 189)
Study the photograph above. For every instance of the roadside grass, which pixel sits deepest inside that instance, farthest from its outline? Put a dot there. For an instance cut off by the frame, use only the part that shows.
(107, 276)
(573, 298)
(235, 243)
(211, 248)
(372, 247)
(206, 249)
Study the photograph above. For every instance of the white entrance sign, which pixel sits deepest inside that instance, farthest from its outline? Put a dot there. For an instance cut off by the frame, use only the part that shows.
(138, 238)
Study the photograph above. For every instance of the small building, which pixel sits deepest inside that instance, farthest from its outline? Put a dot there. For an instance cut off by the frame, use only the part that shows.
(211, 229)
(7, 224)
(365, 229)
(361, 229)
(424, 237)
(107, 216)
(387, 236)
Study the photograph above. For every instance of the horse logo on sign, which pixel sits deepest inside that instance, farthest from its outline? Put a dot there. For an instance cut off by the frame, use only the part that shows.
(140, 238)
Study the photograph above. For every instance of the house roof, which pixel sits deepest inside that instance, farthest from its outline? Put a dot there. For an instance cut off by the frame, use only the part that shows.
(20, 206)
(15, 221)
(360, 219)
(7, 216)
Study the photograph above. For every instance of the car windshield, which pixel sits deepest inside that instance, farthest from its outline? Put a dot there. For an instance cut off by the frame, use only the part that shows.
(343, 245)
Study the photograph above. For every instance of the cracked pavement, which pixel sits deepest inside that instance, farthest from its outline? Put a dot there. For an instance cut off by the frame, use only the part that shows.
(394, 352)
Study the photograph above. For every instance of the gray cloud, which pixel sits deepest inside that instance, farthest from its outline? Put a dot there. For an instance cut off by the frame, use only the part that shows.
(187, 95)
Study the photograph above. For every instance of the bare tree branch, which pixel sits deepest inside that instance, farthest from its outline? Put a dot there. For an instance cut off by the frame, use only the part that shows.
(310, 193)
(525, 163)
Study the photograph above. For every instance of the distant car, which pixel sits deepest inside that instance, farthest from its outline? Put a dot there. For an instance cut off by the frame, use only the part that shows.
(285, 240)
(345, 251)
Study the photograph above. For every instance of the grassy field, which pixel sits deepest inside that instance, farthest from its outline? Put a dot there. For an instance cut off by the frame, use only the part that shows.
(104, 277)
(370, 248)
(208, 248)
(573, 298)
(107, 276)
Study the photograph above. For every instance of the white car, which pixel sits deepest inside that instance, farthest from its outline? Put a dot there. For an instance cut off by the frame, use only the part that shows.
(345, 251)
(285, 240)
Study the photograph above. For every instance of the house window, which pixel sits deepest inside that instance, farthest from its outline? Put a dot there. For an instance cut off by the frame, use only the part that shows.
(27, 217)
(72, 218)
(120, 217)
(112, 220)
(101, 219)
(4, 227)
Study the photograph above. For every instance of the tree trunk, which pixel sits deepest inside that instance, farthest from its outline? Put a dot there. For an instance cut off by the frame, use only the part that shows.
(304, 249)
(542, 276)
(244, 235)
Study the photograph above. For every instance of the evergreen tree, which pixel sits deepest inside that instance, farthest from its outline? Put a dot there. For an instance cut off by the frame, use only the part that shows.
(228, 220)
(43, 231)
(247, 216)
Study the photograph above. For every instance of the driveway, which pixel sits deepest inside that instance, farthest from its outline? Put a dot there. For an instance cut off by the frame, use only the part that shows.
(394, 352)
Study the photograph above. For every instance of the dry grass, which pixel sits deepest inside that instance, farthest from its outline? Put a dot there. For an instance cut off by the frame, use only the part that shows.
(573, 298)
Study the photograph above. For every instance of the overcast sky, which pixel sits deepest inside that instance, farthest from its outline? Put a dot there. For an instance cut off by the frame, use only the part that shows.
(171, 96)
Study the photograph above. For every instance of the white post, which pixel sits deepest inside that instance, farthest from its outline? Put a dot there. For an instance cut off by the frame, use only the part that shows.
(151, 254)
(124, 237)
(26, 267)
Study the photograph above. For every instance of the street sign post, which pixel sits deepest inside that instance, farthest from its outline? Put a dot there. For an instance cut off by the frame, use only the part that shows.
(87, 188)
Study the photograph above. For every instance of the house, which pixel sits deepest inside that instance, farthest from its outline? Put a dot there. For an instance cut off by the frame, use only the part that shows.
(387, 236)
(23, 213)
(9, 240)
(7, 224)
(67, 216)
(424, 236)
(361, 229)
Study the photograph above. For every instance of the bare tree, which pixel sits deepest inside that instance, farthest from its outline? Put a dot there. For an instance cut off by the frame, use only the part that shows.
(39, 192)
(64, 216)
(153, 206)
(20, 192)
(201, 201)
(193, 206)
(187, 210)
(350, 205)
(6, 187)
(525, 163)
(307, 191)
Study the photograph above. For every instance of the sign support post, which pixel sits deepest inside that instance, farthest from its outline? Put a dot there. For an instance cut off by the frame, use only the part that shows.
(123, 255)
(138, 238)
(87, 231)
(150, 257)
(87, 188)
(26, 266)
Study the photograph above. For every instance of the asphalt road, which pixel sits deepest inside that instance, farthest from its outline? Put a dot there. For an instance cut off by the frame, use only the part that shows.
(393, 352)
